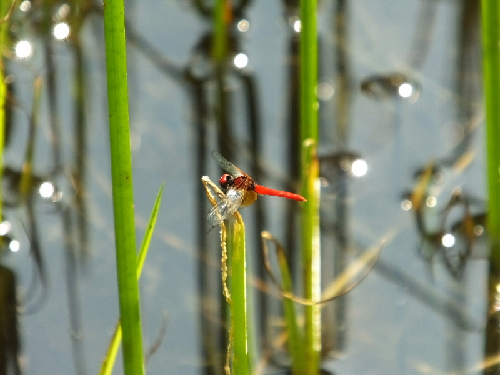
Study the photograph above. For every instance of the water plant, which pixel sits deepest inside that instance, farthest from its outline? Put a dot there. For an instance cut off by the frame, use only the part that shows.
(491, 80)
(310, 250)
(123, 198)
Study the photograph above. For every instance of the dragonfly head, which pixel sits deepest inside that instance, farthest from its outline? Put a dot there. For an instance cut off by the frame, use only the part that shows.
(226, 180)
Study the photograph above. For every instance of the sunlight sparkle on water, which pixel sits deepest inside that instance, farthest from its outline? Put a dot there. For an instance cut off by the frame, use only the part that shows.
(359, 167)
(297, 26)
(63, 11)
(295, 23)
(240, 60)
(243, 26)
(448, 240)
(431, 201)
(406, 205)
(5, 227)
(25, 6)
(405, 90)
(23, 49)
(14, 246)
(61, 30)
(478, 230)
(325, 90)
(46, 189)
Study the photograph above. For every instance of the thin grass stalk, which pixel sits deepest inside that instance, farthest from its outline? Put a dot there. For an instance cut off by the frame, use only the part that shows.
(121, 170)
(220, 33)
(310, 187)
(239, 312)
(4, 46)
(295, 339)
(491, 79)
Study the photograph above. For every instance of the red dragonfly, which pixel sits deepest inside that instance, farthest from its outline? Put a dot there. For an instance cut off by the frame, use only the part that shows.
(241, 191)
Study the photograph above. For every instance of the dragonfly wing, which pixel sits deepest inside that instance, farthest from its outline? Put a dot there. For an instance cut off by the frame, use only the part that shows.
(225, 208)
(226, 165)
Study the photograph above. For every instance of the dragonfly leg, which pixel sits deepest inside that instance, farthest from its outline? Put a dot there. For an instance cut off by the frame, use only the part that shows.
(209, 187)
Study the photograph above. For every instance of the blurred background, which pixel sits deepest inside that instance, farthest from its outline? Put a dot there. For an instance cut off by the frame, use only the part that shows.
(402, 161)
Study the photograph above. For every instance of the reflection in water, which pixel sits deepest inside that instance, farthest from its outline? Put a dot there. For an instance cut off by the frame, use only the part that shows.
(23, 186)
(215, 94)
(10, 342)
(448, 240)
(240, 60)
(359, 167)
(422, 37)
(453, 241)
(46, 189)
(453, 310)
(23, 49)
(25, 5)
(14, 246)
(296, 24)
(336, 169)
(243, 25)
(61, 30)
(395, 85)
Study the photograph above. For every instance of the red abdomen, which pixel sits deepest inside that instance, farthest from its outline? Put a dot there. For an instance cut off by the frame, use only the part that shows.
(278, 193)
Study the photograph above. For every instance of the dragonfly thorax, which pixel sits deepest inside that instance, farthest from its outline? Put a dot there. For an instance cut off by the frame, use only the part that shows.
(228, 181)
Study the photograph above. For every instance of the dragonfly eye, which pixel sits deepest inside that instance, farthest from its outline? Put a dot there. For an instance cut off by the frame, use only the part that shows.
(225, 180)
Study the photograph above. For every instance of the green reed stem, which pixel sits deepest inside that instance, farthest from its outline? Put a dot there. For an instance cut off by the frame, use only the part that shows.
(310, 174)
(4, 46)
(239, 312)
(491, 79)
(123, 199)
(220, 34)
(114, 345)
(491, 75)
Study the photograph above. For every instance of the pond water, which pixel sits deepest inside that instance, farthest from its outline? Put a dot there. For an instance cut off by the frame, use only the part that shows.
(400, 92)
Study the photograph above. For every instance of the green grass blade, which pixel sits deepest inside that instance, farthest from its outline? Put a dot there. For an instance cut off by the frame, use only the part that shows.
(107, 364)
(239, 317)
(491, 78)
(295, 338)
(123, 202)
(149, 232)
(114, 345)
(310, 187)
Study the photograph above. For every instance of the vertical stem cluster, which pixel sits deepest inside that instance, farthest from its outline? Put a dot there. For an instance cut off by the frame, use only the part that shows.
(491, 78)
(121, 168)
(310, 186)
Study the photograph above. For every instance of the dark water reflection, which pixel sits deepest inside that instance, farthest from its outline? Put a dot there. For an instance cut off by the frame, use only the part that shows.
(400, 93)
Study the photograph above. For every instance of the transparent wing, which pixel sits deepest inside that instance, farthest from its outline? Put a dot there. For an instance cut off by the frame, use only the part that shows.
(225, 208)
(226, 165)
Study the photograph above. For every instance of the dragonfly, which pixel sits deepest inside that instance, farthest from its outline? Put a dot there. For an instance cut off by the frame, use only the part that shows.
(241, 191)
